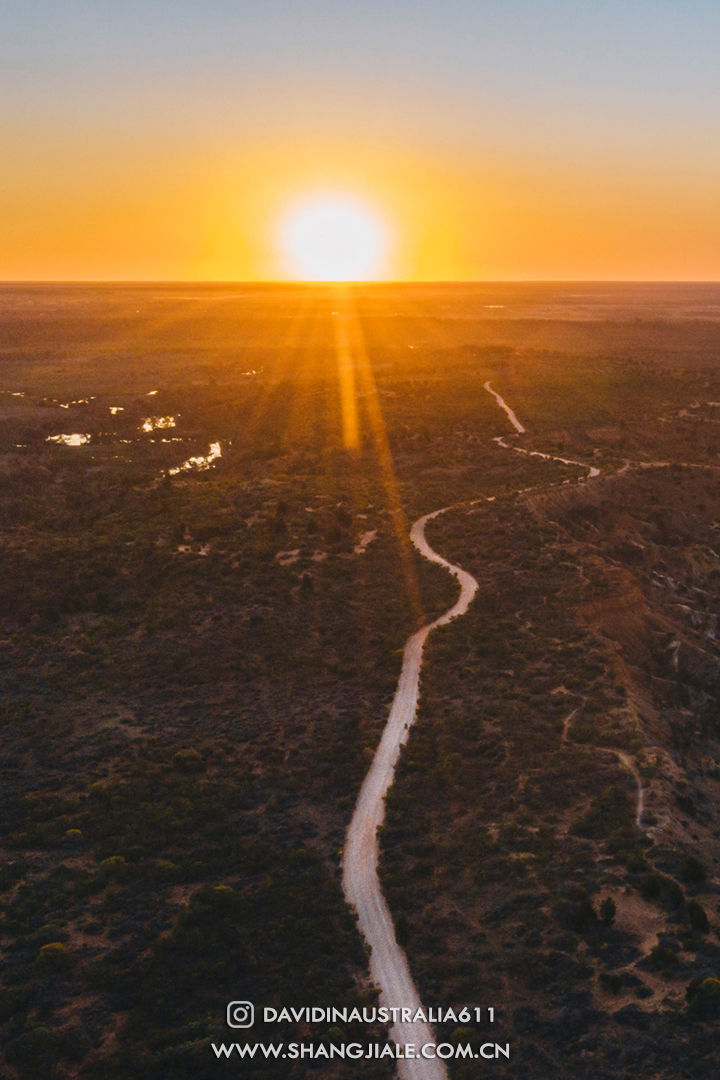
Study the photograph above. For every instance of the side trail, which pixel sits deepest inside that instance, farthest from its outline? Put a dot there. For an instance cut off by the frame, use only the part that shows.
(388, 964)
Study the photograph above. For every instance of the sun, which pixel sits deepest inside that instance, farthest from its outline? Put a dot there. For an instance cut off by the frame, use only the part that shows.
(333, 238)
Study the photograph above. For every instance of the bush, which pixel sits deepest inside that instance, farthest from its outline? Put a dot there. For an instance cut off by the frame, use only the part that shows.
(55, 956)
(698, 918)
(577, 912)
(636, 863)
(114, 867)
(661, 957)
(49, 934)
(189, 761)
(35, 1051)
(609, 812)
(704, 998)
(88, 885)
(692, 870)
(686, 804)
(608, 911)
(658, 887)
(612, 983)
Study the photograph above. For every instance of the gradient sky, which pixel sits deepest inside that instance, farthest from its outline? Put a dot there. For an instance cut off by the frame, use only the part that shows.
(521, 139)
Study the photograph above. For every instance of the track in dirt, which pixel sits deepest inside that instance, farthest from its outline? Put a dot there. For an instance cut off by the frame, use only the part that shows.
(388, 964)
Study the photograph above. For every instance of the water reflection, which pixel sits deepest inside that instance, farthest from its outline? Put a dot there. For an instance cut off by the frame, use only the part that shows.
(69, 440)
(151, 423)
(199, 462)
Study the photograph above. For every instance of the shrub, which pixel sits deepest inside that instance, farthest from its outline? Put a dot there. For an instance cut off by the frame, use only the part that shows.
(612, 983)
(165, 870)
(686, 804)
(35, 1051)
(692, 870)
(608, 911)
(114, 867)
(88, 885)
(658, 887)
(49, 934)
(636, 863)
(698, 918)
(704, 998)
(577, 912)
(189, 761)
(610, 811)
(55, 955)
(661, 956)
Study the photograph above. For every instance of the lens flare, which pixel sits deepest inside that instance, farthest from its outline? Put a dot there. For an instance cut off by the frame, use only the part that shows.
(333, 238)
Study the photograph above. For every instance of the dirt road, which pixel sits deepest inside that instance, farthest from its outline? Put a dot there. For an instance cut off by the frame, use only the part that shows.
(388, 963)
(511, 415)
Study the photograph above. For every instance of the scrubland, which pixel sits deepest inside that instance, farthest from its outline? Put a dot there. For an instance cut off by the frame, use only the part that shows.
(197, 665)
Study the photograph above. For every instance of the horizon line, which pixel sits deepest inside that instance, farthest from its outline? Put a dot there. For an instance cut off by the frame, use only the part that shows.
(364, 283)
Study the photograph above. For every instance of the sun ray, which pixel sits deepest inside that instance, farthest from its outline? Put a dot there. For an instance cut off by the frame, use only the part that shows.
(346, 380)
(356, 339)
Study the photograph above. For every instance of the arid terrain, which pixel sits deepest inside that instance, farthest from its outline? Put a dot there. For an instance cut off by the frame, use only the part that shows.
(207, 587)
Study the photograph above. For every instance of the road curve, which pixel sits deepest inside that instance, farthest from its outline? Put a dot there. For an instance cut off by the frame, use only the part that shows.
(511, 415)
(361, 885)
(547, 457)
(388, 963)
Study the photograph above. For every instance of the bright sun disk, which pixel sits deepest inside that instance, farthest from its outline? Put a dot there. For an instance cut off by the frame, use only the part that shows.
(333, 238)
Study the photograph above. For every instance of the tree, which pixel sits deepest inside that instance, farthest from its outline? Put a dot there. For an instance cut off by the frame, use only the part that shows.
(608, 911)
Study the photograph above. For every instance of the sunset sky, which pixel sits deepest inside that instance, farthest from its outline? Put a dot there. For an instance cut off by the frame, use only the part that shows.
(496, 139)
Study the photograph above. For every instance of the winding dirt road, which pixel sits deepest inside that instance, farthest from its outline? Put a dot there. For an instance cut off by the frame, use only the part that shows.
(388, 963)
(511, 415)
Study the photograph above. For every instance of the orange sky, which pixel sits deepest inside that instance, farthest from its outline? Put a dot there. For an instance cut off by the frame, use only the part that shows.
(176, 212)
(157, 159)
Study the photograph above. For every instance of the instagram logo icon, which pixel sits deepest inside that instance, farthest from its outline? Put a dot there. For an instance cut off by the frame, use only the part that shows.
(240, 1014)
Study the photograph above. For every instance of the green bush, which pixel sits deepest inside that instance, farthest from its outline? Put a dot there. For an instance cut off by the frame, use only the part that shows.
(114, 867)
(48, 934)
(188, 761)
(662, 957)
(703, 997)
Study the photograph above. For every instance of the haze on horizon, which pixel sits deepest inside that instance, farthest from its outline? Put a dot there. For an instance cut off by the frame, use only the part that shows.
(515, 140)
